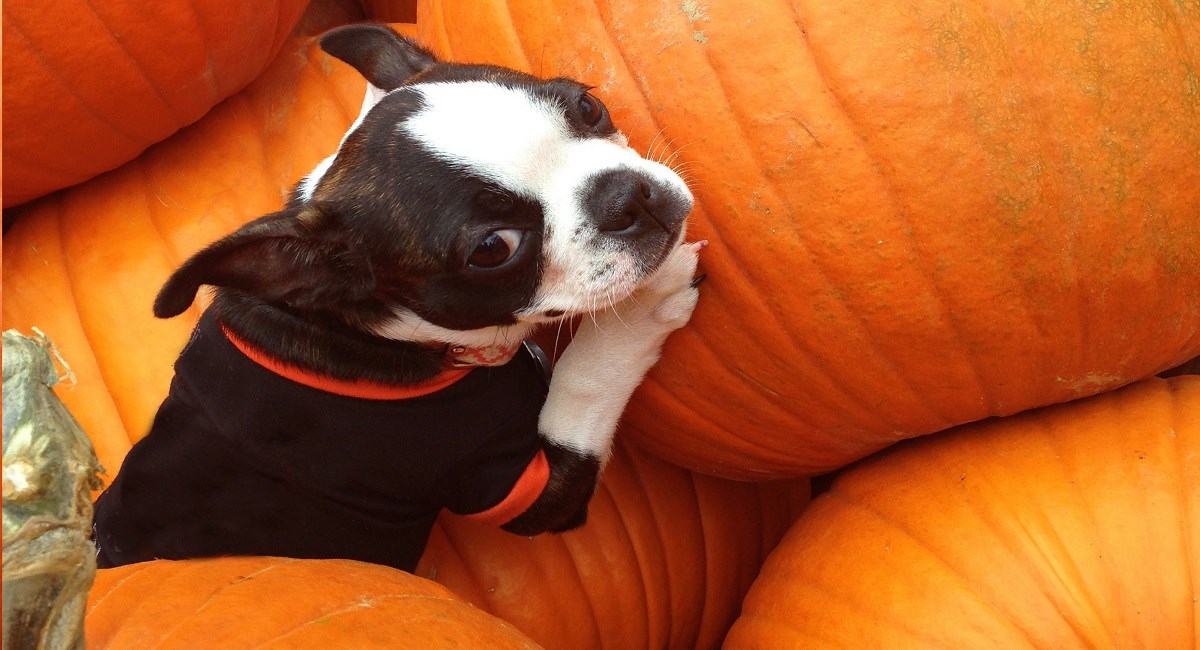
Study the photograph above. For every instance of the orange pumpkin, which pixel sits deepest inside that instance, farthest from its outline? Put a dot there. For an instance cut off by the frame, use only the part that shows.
(666, 555)
(922, 213)
(1070, 527)
(265, 602)
(89, 84)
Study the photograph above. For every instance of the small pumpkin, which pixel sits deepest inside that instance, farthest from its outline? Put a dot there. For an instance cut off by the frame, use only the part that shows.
(921, 213)
(266, 602)
(1073, 526)
(666, 555)
(90, 84)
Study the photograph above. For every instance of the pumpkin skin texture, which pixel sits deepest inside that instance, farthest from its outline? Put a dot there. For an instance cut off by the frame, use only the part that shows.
(921, 214)
(90, 84)
(666, 556)
(1069, 527)
(267, 602)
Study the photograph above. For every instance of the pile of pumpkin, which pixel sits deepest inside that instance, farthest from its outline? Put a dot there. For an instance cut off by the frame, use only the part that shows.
(980, 222)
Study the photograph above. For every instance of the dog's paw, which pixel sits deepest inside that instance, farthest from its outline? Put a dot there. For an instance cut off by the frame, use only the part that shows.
(672, 289)
(676, 309)
(663, 303)
(677, 271)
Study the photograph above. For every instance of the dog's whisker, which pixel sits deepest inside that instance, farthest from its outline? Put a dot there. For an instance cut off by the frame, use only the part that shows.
(595, 321)
(659, 143)
(612, 304)
(676, 151)
(558, 333)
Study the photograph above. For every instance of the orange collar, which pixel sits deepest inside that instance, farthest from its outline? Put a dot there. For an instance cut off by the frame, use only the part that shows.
(359, 388)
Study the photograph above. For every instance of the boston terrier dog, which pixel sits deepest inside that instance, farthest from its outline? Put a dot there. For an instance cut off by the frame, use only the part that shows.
(361, 366)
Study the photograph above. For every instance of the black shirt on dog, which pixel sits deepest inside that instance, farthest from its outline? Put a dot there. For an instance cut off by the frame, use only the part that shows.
(243, 461)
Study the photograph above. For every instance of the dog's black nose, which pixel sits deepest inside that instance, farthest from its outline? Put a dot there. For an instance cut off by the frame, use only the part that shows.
(624, 202)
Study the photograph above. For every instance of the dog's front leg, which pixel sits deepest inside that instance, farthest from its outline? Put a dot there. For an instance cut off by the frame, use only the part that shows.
(593, 381)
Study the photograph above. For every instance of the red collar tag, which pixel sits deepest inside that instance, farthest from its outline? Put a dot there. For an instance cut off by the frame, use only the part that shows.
(462, 356)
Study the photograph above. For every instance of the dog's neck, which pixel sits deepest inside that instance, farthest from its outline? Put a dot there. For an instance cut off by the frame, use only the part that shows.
(334, 349)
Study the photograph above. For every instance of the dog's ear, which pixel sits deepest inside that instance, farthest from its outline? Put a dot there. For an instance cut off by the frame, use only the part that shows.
(381, 55)
(298, 256)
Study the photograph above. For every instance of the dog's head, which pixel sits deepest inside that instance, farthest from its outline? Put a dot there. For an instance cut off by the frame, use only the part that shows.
(465, 198)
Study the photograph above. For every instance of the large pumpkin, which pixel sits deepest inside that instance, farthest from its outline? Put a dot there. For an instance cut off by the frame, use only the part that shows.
(89, 84)
(264, 602)
(666, 555)
(922, 213)
(1070, 527)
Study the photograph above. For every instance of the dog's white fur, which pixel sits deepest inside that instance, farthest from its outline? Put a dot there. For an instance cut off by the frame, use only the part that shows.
(513, 139)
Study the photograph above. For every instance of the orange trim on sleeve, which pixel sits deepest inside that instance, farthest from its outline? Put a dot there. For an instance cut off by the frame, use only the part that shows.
(525, 491)
(346, 388)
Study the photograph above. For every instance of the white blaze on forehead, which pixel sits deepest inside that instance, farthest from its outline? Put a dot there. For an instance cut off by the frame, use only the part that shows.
(509, 136)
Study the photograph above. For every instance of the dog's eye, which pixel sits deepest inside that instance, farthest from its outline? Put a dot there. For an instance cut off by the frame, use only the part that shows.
(495, 249)
(591, 111)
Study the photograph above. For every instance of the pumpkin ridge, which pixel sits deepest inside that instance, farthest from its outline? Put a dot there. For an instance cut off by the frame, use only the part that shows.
(214, 92)
(597, 638)
(830, 591)
(326, 84)
(650, 387)
(1112, 405)
(707, 551)
(1040, 577)
(636, 474)
(472, 571)
(1052, 194)
(152, 188)
(914, 249)
(57, 76)
(439, 19)
(964, 582)
(69, 274)
(714, 233)
(516, 36)
(1185, 504)
(137, 65)
(765, 401)
(782, 637)
(212, 596)
(1080, 506)
(243, 113)
(1052, 189)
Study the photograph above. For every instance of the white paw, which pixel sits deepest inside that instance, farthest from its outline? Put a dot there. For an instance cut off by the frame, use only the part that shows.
(677, 271)
(669, 295)
(676, 309)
